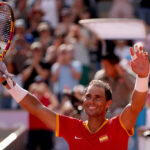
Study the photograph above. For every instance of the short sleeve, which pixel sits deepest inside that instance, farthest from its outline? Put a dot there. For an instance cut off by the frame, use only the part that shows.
(129, 133)
(65, 125)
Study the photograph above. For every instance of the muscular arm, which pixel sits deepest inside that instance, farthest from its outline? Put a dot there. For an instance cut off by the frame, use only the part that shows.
(140, 65)
(131, 112)
(33, 105)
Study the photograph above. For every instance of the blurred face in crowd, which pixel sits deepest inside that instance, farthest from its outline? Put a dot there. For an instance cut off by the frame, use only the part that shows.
(37, 54)
(20, 31)
(110, 69)
(36, 15)
(45, 33)
(66, 19)
(64, 57)
(95, 103)
(75, 30)
(58, 41)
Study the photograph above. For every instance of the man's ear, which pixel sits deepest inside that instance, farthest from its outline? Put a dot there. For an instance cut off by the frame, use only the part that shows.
(109, 102)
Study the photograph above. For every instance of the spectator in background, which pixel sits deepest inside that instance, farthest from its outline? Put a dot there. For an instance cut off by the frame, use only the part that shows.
(20, 52)
(21, 9)
(49, 8)
(20, 30)
(21, 44)
(77, 10)
(39, 135)
(85, 14)
(122, 49)
(81, 52)
(95, 49)
(92, 5)
(36, 67)
(72, 102)
(65, 72)
(144, 11)
(58, 40)
(66, 21)
(51, 52)
(121, 9)
(51, 55)
(45, 35)
(34, 19)
(120, 80)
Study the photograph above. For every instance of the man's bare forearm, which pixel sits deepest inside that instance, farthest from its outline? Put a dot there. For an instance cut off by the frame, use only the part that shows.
(34, 106)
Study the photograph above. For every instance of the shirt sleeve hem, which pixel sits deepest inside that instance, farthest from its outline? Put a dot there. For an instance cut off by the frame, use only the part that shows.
(57, 125)
(130, 133)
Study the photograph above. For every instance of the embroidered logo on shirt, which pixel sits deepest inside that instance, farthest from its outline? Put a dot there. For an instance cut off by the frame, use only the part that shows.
(103, 138)
(77, 138)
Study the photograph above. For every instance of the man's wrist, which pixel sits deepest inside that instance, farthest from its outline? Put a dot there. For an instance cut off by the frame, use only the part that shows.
(141, 84)
(18, 93)
(8, 83)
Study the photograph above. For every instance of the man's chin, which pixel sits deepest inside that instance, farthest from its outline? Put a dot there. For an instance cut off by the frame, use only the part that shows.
(92, 114)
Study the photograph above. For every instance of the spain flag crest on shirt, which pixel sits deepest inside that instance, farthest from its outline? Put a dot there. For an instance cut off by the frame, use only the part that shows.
(103, 138)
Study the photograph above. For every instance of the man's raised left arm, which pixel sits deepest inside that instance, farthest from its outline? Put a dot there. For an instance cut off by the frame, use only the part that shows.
(139, 65)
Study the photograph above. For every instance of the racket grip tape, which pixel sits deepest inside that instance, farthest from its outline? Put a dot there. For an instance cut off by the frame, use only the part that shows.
(4, 83)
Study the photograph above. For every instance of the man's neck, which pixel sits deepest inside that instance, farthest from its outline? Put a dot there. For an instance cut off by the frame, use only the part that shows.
(94, 123)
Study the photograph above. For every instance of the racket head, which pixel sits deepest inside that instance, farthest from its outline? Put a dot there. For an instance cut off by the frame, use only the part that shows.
(6, 28)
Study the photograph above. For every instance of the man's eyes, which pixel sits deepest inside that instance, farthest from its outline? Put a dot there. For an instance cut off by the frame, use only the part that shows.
(97, 98)
(88, 96)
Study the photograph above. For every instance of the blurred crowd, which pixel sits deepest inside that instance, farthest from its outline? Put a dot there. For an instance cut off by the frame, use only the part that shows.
(54, 57)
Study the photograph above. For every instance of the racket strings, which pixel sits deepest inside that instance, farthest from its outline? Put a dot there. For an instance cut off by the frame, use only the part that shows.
(5, 26)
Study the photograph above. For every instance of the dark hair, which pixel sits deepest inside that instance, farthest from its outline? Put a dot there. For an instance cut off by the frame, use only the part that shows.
(99, 83)
(112, 58)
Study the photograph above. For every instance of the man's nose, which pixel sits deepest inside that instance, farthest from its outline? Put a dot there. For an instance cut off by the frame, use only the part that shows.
(92, 100)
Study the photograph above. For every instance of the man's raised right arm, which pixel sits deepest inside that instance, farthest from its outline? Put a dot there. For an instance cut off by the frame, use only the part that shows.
(30, 103)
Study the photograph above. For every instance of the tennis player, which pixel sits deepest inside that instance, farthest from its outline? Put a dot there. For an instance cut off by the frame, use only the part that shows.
(97, 133)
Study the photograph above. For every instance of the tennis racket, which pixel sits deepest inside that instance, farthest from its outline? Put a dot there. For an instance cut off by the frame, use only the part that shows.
(6, 28)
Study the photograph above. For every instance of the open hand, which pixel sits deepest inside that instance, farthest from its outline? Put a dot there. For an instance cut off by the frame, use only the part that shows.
(139, 62)
(4, 74)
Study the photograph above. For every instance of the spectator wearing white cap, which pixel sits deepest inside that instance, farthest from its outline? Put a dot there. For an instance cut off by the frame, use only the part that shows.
(65, 72)
(20, 30)
(36, 67)
(45, 35)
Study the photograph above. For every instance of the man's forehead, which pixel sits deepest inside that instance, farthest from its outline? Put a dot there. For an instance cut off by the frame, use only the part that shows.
(95, 89)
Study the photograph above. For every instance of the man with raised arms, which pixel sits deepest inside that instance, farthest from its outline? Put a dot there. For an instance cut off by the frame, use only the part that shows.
(97, 132)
